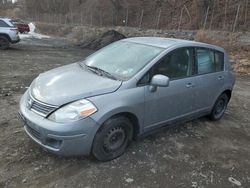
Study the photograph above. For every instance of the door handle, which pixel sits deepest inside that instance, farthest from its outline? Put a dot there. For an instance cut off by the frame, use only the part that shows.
(189, 85)
(220, 77)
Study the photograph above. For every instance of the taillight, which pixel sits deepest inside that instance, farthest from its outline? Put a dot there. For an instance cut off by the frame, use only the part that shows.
(14, 29)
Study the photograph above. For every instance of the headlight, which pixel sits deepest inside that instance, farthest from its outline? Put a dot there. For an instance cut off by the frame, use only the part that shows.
(73, 111)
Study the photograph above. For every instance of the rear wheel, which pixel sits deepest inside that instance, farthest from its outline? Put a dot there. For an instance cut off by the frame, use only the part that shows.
(112, 138)
(219, 107)
(4, 43)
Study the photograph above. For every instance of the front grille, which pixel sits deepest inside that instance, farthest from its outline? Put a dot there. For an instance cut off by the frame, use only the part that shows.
(39, 107)
(34, 132)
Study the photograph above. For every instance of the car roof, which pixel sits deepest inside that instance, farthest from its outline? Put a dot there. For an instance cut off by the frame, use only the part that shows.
(5, 19)
(8, 21)
(170, 42)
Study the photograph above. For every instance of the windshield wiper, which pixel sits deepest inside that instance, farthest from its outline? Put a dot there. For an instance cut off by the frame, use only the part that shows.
(101, 72)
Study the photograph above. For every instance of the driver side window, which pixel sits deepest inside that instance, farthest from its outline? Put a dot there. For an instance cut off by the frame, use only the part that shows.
(176, 64)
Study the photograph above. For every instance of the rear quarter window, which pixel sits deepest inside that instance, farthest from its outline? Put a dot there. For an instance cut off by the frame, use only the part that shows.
(205, 61)
(209, 61)
(219, 61)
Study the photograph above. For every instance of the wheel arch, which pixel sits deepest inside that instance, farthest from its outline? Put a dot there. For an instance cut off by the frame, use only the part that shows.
(134, 120)
(130, 115)
(228, 92)
(5, 35)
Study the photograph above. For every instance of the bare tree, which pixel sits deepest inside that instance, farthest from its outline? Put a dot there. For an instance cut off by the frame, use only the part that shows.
(156, 13)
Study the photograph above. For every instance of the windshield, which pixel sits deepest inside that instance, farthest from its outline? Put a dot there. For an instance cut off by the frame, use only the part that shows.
(123, 59)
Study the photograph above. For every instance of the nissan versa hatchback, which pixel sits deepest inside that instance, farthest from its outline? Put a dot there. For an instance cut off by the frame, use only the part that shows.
(124, 90)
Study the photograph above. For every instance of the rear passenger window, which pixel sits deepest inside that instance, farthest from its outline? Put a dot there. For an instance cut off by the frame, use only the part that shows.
(209, 61)
(205, 61)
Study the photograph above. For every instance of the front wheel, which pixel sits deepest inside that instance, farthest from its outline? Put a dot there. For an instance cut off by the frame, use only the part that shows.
(219, 107)
(112, 139)
(4, 43)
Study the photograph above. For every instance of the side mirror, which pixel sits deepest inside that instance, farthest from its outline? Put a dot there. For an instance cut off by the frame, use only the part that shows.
(158, 81)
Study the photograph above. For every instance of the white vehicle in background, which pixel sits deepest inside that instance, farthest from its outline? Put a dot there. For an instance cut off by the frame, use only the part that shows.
(8, 33)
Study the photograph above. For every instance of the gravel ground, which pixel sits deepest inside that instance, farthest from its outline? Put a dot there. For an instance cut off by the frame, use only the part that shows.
(200, 153)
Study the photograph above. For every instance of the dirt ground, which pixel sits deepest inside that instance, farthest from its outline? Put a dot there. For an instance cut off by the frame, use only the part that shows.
(200, 153)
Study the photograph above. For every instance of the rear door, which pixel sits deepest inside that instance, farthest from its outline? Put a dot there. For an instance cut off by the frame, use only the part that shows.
(176, 100)
(209, 77)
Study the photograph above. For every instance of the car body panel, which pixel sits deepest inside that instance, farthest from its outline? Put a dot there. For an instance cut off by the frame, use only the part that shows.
(209, 86)
(122, 101)
(168, 101)
(69, 83)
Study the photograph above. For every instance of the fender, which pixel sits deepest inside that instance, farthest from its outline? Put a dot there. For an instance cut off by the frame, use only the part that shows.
(5, 35)
(129, 101)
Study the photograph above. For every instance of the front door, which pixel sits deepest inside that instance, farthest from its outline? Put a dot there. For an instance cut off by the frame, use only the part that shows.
(176, 100)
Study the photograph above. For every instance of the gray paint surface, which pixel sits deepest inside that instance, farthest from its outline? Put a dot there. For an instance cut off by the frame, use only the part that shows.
(68, 83)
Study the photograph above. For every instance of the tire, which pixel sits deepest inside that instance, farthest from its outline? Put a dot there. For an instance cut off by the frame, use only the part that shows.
(219, 107)
(112, 139)
(4, 43)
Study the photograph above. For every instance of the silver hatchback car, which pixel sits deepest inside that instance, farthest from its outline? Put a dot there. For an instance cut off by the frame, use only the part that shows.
(124, 90)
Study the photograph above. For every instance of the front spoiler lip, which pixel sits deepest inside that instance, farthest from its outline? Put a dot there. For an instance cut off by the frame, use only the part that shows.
(57, 137)
(70, 137)
(38, 142)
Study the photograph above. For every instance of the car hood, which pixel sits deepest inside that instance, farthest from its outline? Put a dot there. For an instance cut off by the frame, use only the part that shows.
(69, 83)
